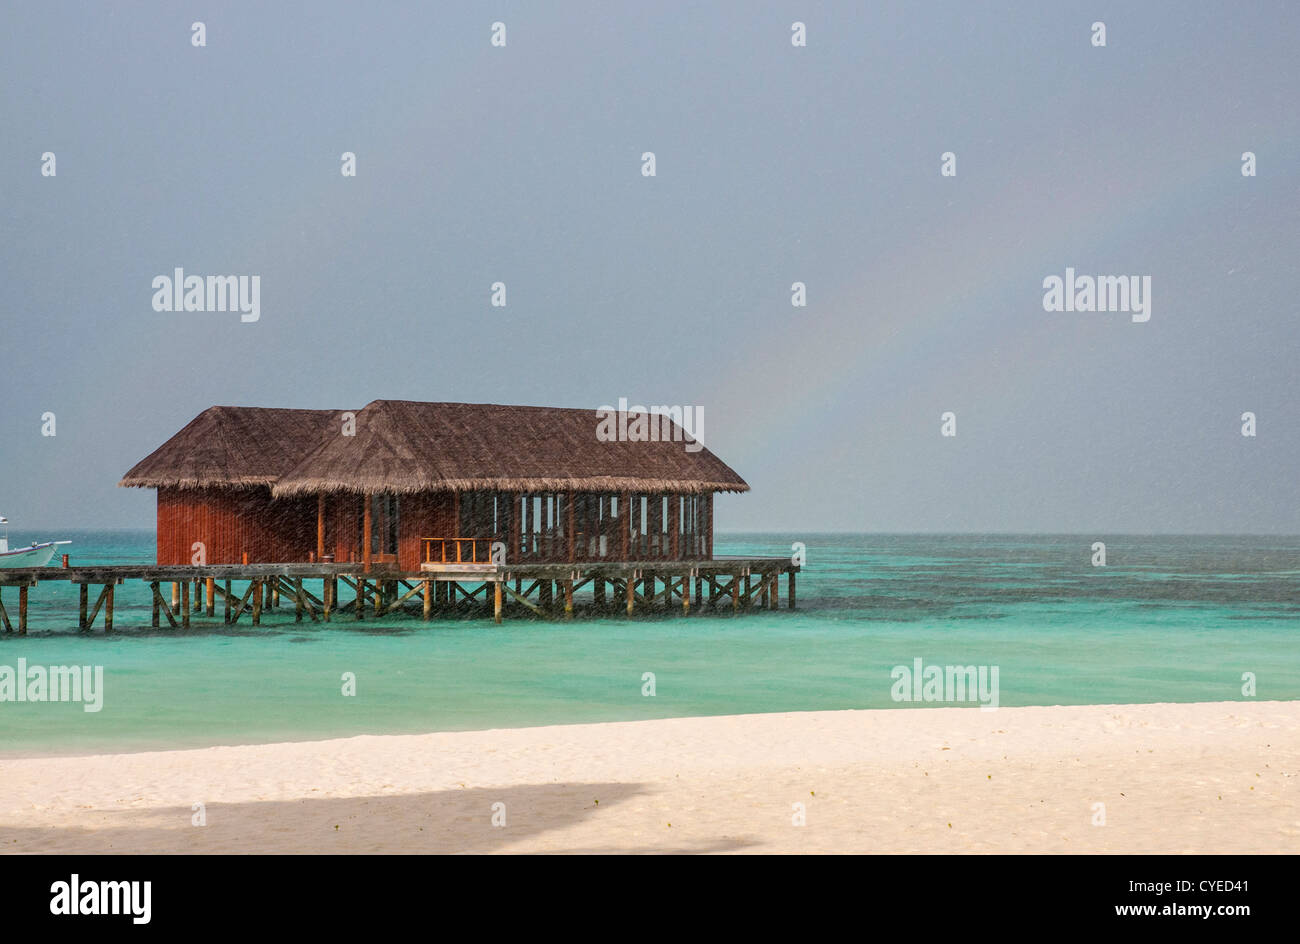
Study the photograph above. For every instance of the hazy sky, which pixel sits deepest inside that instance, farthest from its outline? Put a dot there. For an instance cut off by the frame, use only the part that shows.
(775, 164)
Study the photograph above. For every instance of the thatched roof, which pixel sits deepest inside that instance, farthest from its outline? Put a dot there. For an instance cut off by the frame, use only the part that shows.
(402, 446)
(233, 447)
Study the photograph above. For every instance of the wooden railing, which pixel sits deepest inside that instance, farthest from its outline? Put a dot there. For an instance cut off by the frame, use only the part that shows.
(457, 550)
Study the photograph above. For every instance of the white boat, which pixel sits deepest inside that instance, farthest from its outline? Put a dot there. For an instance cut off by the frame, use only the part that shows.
(38, 555)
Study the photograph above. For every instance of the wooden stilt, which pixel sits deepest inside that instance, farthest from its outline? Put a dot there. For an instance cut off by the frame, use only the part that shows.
(153, 621)
(297, 599)
(211, 585)
(568, 599)
(366, 528)
(227, 599)
(631, 593)
(185, 603)
(22, 610)
(789, 595)
(774, 599)
(328, 591)
(361, 598)
(4, 615)
(428, 600)
(176, 596)
(496, 600)
(85, 590)
(735, 591)
(699, 590)
(257, 602)
(108, 608)
(686, 595)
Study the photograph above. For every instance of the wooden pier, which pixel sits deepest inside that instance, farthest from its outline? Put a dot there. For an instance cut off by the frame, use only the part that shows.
(181, 594)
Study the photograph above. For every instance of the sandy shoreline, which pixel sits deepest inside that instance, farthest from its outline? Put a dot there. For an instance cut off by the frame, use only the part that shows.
(1208, 777)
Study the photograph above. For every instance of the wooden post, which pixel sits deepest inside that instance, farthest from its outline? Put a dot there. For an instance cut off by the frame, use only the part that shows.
(774, 599)
(257, 602)
(568, 597)
(328, 591)
(598, 592)
(708, 526)
(227, 613)
(185, 603)
(631, 593)
(297, 599)
(156, 593)
(789, 596)
(624, 524)
(735, 591)
(81, 623)
(211, 583)
(176, 595)
(320, 525)
(686, 595)
(496, 600)
(22, 610)
(572, 537)
(674, 525)
(361, 598)
(699, 589)
(108, 608)
(4, 614)
(428, 599)
(365, 535)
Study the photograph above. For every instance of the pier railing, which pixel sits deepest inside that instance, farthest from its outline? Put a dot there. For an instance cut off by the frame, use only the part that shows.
(457, 550)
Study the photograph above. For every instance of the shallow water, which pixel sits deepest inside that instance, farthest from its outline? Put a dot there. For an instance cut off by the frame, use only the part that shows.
(1168, 619)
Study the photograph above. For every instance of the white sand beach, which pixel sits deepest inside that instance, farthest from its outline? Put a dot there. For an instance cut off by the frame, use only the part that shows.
(1208, 778)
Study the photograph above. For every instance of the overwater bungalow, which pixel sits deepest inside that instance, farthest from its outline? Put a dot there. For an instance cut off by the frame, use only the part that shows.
(401, 485)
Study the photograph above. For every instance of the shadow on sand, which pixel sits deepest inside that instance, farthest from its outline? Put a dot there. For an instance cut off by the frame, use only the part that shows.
(445, 821)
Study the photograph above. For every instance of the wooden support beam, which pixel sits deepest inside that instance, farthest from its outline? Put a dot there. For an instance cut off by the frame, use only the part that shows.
(397, 604)
(789, 594)
(631, 592)
(160, 605)
(4, 616)
(22, 610)
(598, 592)
(153, 619)
(185, 603)
(674, 525)
(257, 602)
(243, 603)
(496, 601)
(320, 527)
(81, 619)
(176, 595)
(735, 591)
(570, 533)
(212, 596)
(568, 599)
(226, 596)
(108, 608)
(361, 597)
(428, 600)
(520, 597)
(365, 535)
(90, 621)
(686, 595)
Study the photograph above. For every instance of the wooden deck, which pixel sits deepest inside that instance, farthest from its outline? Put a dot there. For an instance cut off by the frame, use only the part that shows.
(447, 590)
